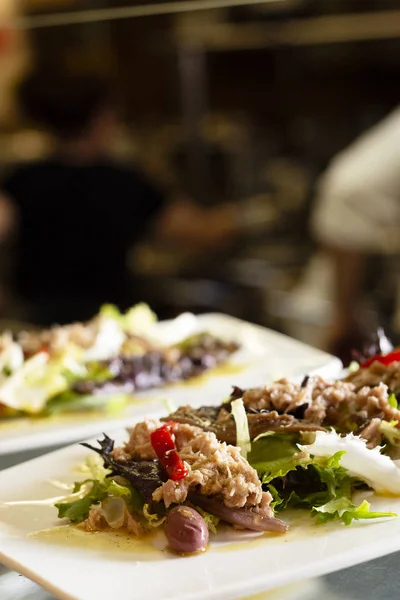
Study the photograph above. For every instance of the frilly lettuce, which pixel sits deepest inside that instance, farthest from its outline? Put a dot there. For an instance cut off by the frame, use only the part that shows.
(78, 510)
(275, 455)
(43, 383)
(313, 479)
(94, 465)
(114, 326)
(343, 509)
(141, 321)
(153, 519)
(29, 388)
(109, 339)
(376, 469)
(97, 490)
(138, 320)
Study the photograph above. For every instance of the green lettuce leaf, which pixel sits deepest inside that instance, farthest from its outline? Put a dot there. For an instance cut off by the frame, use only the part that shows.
(344, 510)
(78, 510)
(138, 320)
(275, 455)
(153, 519)
(133, 499)
(94, 464)
(298, 480)
(70, 401)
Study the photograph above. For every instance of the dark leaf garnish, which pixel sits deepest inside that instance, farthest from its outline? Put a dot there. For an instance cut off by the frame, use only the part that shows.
(378, 344)
(144, 475)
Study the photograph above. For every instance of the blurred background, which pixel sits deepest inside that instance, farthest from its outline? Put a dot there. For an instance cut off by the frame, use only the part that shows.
(229, 112)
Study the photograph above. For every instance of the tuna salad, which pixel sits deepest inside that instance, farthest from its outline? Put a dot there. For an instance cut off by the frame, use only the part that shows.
(174, 476)
(314, 405)
(238, 465)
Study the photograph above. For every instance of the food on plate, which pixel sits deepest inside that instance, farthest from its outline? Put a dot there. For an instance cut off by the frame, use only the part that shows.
(313, 445)
(381, 368)
(312, 406)
(174, 476)
(98, 364)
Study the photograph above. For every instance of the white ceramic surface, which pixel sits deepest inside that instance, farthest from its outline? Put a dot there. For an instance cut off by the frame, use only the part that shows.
(102, 566)
(264, 355)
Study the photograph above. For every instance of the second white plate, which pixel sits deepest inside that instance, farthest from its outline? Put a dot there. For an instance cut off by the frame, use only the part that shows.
(264, 355)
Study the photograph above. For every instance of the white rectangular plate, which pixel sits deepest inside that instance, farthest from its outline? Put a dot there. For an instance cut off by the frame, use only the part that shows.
(264, 355)
(100, 566)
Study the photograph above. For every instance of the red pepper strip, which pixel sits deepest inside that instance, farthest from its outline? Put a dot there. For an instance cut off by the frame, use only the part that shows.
(43, 349)
(384, 359)
(164, 446)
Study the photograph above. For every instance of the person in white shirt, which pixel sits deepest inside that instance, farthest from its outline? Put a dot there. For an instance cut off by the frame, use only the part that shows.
(357, 214)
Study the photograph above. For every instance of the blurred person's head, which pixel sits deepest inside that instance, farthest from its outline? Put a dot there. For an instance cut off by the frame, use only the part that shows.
(72, 107)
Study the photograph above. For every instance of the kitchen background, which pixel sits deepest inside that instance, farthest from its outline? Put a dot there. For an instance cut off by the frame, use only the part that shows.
(238, 103)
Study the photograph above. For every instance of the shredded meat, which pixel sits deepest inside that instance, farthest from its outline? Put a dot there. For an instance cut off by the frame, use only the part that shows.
(139, 445)
(56, 338)
(371, 433)
(95, 520)
(219, 420)
(264, 508)
(214, 469)
(288, 407)
(338, 403)
(276, 396)
(375, 374)
(285, 396)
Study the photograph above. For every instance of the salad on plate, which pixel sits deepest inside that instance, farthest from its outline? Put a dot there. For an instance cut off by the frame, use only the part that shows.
(101, 363)
(324, 447)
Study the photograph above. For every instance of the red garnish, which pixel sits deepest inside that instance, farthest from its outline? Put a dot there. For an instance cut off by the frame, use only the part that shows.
(164, 446)
(384, 359)
(43, 349)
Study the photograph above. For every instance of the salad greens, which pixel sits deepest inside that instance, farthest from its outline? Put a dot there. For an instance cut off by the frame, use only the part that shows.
(390, 431)
(343, 509)
(73, 402)
(96, 490)
(299, 479)
(392, 400)
(99, 364)
(44, 382)
(138, 320)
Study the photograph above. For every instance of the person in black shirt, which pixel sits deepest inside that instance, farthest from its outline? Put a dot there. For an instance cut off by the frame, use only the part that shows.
(79, 212)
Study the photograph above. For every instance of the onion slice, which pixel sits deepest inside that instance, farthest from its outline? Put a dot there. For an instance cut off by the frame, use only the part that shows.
(113, 510)
(243, 517)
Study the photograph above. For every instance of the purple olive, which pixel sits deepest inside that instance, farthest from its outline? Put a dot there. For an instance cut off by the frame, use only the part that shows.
(186, 530)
